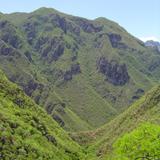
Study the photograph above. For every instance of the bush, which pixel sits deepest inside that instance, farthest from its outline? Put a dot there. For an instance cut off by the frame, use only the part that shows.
(142, 143)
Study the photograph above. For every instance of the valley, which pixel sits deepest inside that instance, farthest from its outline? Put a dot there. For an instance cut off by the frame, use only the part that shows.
(73, 88)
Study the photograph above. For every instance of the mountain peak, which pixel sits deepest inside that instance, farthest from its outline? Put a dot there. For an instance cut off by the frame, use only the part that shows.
(45, 10)
(153, 44)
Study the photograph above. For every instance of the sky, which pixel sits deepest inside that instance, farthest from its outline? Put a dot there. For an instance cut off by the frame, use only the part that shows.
(141, 18)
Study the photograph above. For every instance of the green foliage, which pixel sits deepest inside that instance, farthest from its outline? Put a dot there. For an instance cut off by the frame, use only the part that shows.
(27, 132)
(142, 143)
(101, 140)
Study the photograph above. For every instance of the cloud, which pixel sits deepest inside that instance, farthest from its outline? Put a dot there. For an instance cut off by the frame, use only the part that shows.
(144, 39)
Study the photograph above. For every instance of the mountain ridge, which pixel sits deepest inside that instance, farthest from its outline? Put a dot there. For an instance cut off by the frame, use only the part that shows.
(73, 88)
(153, 44)
(71, 65)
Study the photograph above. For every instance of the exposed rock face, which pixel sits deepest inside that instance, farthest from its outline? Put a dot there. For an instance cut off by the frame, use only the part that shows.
(8, 34)
(65, 25)
(51, 106)
(139, 91)
(3, 24)
(51, 139)
(54, 108)
(115, 40)
(73, 28)
(30, 29)
(58, 120)
(50, 49)
(88, 26)
(75, 69)
(31, 86)
(73, 58)
(58, 52)
(68, 76)
(115, 73)
(5, 50)
(40, 42)
(58, 21)
(153, 44)
(10, 39)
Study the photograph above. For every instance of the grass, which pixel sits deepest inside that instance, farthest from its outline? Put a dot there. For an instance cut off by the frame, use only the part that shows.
(91, 100)
(27, 132)
(101, 141)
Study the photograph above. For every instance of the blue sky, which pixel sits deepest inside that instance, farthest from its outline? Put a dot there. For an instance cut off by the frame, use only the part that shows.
(140, 17)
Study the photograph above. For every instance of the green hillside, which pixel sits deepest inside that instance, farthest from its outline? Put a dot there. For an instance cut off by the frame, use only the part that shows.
(102, 140)
(76, 89)
(84, 72)
(142, 143)
(27, 132)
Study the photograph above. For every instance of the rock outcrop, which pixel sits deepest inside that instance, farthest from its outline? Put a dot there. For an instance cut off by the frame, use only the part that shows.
(68, 76)
(88, 26)
(8, 34)
(75, 69)
(58, 120)
(30, 29)
(50, 49)
(115, 73)
(6, 51)
(115, 40)
(65, 25)
(153, 44)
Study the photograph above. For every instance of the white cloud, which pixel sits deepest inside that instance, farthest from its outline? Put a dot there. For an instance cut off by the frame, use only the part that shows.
(144, 39)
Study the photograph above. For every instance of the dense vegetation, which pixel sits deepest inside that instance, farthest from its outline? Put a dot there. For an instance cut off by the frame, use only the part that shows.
(27, 132)
(142, 143)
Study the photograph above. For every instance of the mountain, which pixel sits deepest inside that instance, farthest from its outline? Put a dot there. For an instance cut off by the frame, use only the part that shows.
(28, 132)
(144, 111)
(76, 89)
(83, 72)
(153, 44)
